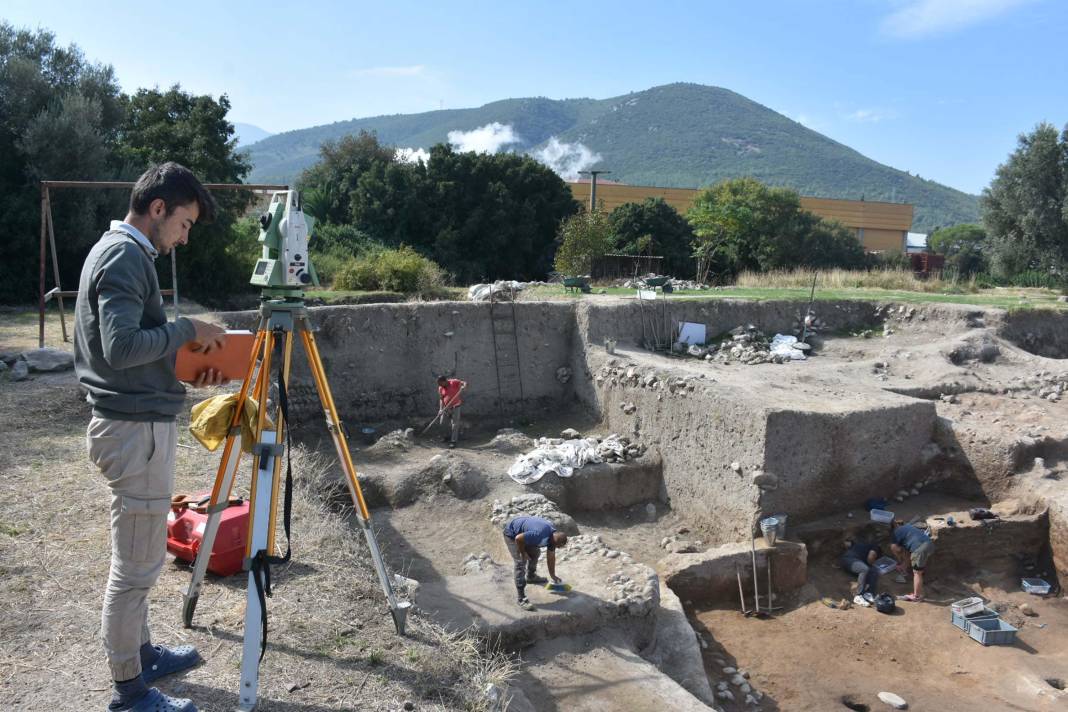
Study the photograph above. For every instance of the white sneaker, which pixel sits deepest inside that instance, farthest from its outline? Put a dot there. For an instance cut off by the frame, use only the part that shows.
(861, 601)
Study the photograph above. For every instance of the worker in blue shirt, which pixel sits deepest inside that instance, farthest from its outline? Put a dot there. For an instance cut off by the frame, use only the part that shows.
(524, 537)
(911, 546)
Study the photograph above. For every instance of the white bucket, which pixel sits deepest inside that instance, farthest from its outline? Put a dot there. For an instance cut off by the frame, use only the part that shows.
(769, 527)
(610, 346)
(782, 524)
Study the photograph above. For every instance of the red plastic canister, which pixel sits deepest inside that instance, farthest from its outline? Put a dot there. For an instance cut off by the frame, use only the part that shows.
(185, 534)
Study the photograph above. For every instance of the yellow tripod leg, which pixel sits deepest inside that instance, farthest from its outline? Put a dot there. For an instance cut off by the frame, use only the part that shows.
(223, 487)
(397, 609)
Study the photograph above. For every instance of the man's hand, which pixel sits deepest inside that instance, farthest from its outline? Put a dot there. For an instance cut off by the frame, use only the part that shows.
(557, 579)
(211, 377)
(208, 336)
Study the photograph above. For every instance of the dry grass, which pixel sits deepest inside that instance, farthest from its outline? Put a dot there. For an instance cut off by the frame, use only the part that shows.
(890, 279)
(332, 643)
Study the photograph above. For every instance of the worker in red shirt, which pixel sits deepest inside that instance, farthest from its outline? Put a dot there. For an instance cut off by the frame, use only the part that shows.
(449, 401)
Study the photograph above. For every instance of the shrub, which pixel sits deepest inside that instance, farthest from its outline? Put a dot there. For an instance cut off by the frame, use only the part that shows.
(394, 270)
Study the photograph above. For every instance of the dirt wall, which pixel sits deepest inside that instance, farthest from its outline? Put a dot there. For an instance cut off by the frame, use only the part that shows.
(381, 359)
(699, 433)
(826, 462)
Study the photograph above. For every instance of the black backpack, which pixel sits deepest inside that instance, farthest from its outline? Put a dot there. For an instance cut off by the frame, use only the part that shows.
(884, 603)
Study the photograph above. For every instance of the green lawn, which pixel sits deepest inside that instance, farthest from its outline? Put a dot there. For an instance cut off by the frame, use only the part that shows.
(1004, 298)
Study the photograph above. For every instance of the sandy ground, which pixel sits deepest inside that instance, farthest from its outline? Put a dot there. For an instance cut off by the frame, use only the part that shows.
(811, 657)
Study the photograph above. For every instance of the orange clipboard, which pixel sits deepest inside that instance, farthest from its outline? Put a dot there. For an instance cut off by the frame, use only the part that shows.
(232, 359)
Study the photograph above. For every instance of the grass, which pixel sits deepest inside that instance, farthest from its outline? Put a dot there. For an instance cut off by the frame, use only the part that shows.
(839, 285)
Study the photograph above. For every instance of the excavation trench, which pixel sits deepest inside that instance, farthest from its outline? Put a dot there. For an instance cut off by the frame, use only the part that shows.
(662, 541)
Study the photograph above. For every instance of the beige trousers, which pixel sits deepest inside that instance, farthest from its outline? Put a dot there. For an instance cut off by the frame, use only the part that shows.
(137, 461)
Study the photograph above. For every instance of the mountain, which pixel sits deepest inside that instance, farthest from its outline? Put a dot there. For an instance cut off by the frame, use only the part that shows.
(677, 135)
(247, 134)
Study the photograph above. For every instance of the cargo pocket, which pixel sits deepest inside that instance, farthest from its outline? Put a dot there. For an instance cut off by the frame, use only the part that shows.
(106, 445)
(142, 530)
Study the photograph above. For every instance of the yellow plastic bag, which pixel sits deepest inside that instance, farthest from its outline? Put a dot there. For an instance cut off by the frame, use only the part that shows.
(209, 421)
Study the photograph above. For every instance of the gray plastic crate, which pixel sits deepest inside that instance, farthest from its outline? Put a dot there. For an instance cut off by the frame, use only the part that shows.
(962, 621)
(992, 631)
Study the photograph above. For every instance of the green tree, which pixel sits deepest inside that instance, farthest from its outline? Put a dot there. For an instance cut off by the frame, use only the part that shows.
(583, 237)
(1025, 208)
(963, 246)
(655, 228)
(742, 224)
(193, 130)
(336, 176)
(479, 216)
(59, 117)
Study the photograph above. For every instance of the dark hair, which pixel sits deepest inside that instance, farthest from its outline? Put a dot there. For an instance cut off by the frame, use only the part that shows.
(443, 377)
(175, 185)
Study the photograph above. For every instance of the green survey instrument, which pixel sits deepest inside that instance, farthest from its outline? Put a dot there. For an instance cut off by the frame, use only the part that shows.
(285, 266)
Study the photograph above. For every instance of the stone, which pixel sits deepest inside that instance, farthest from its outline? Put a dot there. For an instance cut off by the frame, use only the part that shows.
(895, 701)
(725, 695)
(48, 359)
(570, 434)
(19, 372)
(736, 466)
(563, 374)
(409, 705)
(729, 670)
(1026, 609)
(737, 680)
(765, 480)
(3, 366)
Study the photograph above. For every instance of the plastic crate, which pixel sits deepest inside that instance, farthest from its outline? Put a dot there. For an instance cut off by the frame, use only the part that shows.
(962, 621)
(882, 516)
(991, 631)
(1037, 586)
(968, 606)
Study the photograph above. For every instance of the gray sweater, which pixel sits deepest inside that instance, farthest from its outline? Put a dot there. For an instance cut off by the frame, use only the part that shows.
(124, 347)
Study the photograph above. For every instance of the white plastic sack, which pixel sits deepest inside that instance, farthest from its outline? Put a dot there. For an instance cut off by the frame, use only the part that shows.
(560, 456)
(783, 345)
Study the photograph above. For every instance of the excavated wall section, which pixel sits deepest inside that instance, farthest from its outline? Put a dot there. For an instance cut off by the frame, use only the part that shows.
(381, 359)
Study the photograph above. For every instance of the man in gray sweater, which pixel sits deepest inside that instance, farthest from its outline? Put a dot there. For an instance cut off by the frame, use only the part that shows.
(124, 352)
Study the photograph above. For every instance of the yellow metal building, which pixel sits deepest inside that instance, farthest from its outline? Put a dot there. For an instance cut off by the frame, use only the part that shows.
(880, 227)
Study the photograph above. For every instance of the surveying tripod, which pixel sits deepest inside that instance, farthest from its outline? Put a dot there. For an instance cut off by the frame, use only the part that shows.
(279, 319)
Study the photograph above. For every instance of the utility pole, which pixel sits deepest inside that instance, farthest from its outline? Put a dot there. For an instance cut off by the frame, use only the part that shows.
(593, 186)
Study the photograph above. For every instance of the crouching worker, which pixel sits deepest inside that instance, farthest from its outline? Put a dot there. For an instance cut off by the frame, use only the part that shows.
(859, 559)
(524, 537)
(912, 548)
(124, 352)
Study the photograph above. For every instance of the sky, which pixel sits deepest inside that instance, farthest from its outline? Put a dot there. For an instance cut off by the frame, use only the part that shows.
(940, 88)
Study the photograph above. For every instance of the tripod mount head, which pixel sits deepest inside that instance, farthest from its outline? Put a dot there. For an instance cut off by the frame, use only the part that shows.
(284, 270)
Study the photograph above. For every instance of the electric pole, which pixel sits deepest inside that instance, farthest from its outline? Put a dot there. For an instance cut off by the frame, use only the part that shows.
(593, 186)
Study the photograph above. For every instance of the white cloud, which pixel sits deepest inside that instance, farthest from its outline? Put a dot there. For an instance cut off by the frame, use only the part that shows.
(410, 71)
(413, 155)
(566, 159)
(485, 139)
(923, 18)
(869, 116)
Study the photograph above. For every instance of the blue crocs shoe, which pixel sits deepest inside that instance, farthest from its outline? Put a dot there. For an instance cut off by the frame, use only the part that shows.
(170, 661)
(156, 701)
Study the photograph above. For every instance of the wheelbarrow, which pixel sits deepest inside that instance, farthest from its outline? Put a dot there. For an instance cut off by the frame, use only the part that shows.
(581, 284)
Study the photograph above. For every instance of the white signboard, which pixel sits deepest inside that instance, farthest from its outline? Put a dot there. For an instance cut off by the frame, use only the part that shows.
(647, 294)
(690, 333)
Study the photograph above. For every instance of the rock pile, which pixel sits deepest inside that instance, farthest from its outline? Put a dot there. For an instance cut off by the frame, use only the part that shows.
(737, 686)
(748, 345)
(532, 505)
(639, 283)
(17, 366)
(395, 441)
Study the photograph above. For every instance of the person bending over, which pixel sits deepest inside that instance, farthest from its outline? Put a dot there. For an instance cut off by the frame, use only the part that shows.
(524, 537)
(912, 548)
